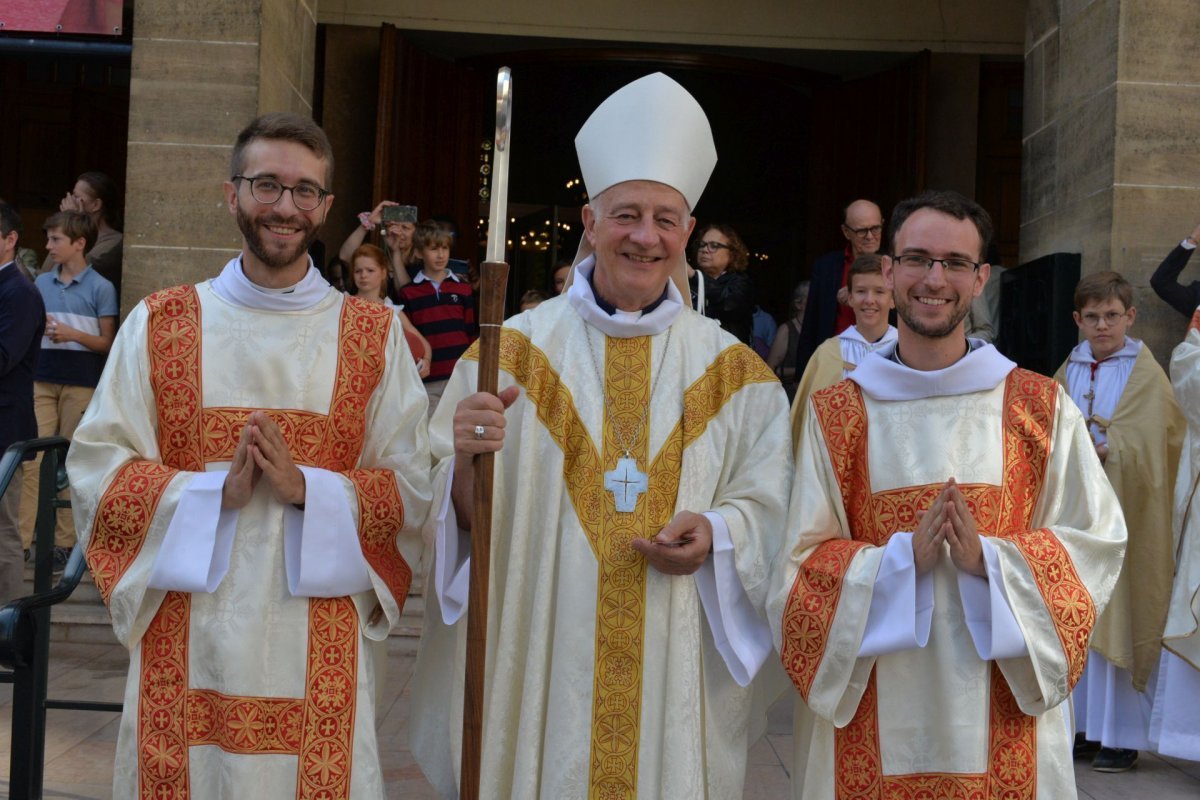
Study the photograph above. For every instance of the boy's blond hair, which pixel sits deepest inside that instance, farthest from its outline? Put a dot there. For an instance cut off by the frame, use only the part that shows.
(1101, 286)
(431, 234)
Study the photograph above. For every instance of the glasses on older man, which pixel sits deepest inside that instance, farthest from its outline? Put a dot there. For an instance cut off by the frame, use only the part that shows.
(862, 233)
(267, 190)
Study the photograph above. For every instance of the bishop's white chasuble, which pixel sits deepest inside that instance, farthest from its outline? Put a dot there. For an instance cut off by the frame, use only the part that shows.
(962, 704)
(258, 684)
(604, 677)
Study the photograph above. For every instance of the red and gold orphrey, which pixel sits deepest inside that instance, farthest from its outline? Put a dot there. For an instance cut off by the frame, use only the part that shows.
(1005, 512)
(319, 727)
(621, 586)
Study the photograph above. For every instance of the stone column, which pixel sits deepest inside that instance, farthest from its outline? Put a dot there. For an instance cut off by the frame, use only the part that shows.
(201, 70)
(1112, 105)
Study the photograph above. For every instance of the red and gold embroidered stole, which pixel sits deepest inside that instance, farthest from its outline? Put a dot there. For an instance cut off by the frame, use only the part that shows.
(319, 727)
(621, 587)
(1004, 512)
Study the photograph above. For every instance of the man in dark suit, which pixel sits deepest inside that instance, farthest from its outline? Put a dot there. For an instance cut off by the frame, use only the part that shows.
(22, 320)
(827, 313)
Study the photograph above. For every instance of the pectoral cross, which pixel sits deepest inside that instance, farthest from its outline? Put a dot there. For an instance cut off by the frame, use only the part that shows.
(626, 482)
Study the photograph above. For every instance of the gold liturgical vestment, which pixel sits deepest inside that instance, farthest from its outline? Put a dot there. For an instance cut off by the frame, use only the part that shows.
(603, 679)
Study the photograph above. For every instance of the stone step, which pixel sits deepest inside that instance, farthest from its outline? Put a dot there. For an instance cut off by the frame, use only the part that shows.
(83, 618)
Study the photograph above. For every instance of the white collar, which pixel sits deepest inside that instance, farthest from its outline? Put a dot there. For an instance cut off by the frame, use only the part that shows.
(1082, 353)
(854, 334)
(622, 324)
(981, 369)
(233, 285)
(450, 275)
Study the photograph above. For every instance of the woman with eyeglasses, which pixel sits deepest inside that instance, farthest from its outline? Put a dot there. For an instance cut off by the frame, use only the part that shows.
(728, 291)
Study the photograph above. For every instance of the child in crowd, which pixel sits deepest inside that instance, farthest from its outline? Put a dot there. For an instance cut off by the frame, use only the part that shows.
(81, 322)
(532, 299)
(370, 283)
(870, 299)
(1137, 429)
(441, 305)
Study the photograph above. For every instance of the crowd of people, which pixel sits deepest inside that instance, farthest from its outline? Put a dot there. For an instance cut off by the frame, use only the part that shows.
(964, 572)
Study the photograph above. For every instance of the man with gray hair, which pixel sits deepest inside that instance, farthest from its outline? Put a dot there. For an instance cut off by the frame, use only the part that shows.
(642, 462)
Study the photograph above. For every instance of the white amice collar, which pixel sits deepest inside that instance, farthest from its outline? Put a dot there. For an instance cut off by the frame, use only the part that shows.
(233, 285)
(622, 324)
(981, 369)
(1082, 352)
(853, 334)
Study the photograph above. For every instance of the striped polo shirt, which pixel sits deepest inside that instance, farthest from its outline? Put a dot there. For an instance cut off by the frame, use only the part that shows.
(445, 315)
(80, 302)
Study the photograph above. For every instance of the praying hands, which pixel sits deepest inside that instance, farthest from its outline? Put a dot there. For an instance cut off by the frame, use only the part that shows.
(949, 520)
(261, 450)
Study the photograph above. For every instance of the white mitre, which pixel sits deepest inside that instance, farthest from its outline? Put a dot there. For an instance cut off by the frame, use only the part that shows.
(648, 130)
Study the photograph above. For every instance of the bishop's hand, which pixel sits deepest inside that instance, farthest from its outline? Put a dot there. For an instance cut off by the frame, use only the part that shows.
(478, 428)
(966, 547)
(243, 475)
(681, 547)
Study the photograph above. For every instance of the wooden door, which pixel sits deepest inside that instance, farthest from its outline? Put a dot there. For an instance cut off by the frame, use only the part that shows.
(429, 127)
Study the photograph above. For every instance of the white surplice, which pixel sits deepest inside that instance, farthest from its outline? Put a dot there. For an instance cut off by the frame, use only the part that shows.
(265, 617)
(704, 636)
(1107, 707)
(855, 347)
(907, 664)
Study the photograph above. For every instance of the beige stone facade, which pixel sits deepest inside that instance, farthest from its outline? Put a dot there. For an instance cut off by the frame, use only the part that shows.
(201, 70)
(1112, 106)
(1109, 148)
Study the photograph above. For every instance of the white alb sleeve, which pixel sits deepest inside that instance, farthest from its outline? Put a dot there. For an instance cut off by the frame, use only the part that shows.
(742, 636)
(321, 549)
(901, 611)
(194, 555)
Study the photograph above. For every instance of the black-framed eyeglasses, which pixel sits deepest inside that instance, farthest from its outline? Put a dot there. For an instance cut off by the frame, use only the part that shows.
(713, 246)
(873, 230)
(267, 190)
(917, 263)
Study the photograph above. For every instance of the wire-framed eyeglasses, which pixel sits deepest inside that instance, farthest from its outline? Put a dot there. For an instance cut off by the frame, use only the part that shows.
(918, 263)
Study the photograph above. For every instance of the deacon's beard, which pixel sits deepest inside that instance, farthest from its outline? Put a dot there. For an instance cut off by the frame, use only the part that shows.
(918, 326)
(251, 232)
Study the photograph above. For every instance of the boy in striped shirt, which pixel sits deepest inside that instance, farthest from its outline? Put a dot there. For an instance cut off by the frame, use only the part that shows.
(441, 305)
(81, 321)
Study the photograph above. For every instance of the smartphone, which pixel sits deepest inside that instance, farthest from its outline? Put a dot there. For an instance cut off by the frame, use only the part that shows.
(399, 214)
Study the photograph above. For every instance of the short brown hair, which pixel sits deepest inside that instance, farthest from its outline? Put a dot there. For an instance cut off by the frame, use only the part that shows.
(283, 126)
(74, 225)
(431, 233)
(946, 202)
(1101, 286)
(866, 264)
(739, 256)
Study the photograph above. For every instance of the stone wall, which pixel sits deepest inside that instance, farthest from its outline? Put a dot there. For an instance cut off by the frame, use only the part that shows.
(963, 26)
(1112, 105)
(202, 69)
